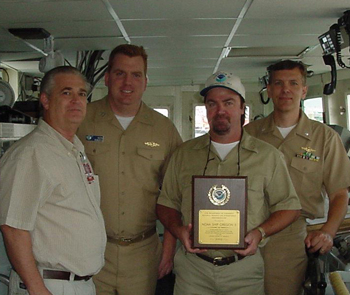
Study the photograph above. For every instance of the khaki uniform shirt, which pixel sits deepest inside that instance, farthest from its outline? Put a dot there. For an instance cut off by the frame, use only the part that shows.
(269, 186)
(325, 164)
(44, 190)
(130, 163)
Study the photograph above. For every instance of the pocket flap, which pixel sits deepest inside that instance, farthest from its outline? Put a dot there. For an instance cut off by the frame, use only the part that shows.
(96, 148)
(151, 154)
(304, 166)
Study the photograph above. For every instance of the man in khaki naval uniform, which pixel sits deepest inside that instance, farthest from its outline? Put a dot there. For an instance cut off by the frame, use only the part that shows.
(272, 203)
(316, 160)
(129, 146)
(49, 197)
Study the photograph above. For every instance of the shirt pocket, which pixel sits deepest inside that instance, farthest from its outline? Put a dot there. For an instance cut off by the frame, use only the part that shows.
(306, 175)
(149, 154)
(97, 153)
(305, 166)
(147, 167)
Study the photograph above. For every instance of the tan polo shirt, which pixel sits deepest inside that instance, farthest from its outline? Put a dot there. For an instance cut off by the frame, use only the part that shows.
(315, 158)
(131, 164)
(44, 189)
(269, 186)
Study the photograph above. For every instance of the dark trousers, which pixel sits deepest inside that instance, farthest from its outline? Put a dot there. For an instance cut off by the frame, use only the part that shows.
(165, 286)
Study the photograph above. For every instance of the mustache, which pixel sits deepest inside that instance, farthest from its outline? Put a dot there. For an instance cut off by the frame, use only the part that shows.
(221, 116)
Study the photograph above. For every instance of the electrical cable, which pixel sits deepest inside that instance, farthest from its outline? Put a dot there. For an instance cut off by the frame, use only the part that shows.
(102, 69)
(100, 76)
(88, 64)
(262, 96)
(83, 57)
(22, 94)
(66, 61)
(338, 48)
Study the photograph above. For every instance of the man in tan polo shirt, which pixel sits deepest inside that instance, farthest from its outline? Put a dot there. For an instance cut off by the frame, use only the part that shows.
(129, 146)
(49, 197)
(317, 161)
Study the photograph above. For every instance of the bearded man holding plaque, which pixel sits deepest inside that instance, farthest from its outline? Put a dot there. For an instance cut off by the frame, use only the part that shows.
(223, 194)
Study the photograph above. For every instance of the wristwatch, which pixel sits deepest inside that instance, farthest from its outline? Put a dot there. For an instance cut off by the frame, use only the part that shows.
(263, 234)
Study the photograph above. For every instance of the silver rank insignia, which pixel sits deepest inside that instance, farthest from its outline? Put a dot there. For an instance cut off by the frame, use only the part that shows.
(219, 196)
(307, 154)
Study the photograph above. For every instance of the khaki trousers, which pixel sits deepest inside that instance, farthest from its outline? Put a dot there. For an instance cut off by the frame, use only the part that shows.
(130, 270)
(56, 287)
(286, 260)
(194, 276)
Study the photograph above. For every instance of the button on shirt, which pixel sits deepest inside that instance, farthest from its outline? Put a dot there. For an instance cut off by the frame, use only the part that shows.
(44, 189)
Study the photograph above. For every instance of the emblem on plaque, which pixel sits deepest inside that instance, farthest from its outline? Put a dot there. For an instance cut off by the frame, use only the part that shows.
(219, 195)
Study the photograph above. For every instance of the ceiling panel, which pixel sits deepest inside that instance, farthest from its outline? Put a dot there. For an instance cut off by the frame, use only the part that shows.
(79, 29)
(185, 27)
(170, 9)
(179, 42)
(184, 39)
(274, 40)
(297, 9)
(191, 53)
(26, 12)
(311, 25)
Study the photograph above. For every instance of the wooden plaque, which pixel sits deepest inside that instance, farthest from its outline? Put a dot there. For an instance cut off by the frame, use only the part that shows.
(219, 212)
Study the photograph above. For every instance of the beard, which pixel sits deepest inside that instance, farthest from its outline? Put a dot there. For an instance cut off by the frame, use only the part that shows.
(221, 124)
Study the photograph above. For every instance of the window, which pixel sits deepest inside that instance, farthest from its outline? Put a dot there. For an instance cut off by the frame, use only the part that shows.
(201, 125)
(313, 108)
(163, 111)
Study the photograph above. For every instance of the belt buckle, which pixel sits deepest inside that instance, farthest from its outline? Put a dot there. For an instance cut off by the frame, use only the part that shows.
(87, 278)
(125, 241)
(217, 260)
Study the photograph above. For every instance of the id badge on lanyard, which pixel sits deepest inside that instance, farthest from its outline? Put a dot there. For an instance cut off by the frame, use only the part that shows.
(87, 168)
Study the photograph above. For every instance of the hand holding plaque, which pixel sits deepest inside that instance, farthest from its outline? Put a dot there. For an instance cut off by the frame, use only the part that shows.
(219, 212)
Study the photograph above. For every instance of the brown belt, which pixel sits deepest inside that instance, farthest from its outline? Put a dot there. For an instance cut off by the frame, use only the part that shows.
(220, 261)
(128, 241)
(62, 275)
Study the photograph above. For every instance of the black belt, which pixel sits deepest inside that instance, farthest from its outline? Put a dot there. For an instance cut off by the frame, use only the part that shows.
(128, 241)
(220, 261)
(62, 275)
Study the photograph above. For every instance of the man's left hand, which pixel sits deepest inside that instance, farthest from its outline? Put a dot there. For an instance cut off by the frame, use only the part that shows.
(319, 240)
(165, 266)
